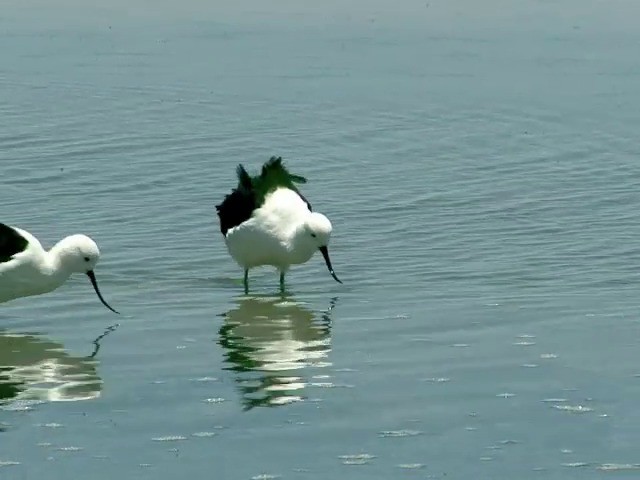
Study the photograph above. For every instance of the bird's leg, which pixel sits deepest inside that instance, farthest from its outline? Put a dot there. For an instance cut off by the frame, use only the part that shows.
(282, 281)
(246, 281)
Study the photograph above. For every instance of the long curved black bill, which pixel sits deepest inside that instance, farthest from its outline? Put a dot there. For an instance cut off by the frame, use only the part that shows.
(325, 254)
(92, 277)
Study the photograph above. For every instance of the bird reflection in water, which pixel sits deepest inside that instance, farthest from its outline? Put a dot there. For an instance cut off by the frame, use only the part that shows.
(268, 341)
(33, 368)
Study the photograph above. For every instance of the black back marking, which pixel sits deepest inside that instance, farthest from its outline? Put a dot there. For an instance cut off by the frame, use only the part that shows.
(11, 242)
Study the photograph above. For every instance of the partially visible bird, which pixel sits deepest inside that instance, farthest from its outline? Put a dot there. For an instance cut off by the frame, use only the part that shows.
(27, 269)
(265, 220)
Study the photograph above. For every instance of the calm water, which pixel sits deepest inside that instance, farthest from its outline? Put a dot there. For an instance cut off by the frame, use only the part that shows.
(480, 167)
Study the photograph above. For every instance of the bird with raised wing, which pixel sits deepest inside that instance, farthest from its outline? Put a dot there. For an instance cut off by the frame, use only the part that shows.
(265, 220)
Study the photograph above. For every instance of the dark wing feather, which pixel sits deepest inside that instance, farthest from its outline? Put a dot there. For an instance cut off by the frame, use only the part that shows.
(243, 178)
(238, 206)
(11, 242)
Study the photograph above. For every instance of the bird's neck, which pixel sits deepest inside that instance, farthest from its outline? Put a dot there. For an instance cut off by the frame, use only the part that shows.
(58, 259)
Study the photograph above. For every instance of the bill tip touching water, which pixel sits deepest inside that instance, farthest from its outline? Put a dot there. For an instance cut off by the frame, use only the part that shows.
(27, 269)
(266, 220)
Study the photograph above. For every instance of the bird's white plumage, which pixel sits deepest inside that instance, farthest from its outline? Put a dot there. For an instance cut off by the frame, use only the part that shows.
(279, 233)
(35, 271)
(28, 272)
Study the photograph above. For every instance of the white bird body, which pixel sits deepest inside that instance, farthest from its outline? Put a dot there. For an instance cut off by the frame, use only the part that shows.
(30, 272)
(268, 237)
(27, 269)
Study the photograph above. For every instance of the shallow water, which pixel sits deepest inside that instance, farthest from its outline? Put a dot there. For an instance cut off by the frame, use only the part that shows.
(479, 165)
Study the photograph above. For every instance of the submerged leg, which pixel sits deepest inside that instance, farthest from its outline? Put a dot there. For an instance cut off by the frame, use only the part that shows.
(282, 281)
(246, 281)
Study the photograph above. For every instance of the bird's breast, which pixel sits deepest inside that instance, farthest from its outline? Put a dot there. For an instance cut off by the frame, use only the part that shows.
(252, 246)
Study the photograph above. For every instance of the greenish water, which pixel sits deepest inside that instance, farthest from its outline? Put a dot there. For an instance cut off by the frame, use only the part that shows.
(480, 168)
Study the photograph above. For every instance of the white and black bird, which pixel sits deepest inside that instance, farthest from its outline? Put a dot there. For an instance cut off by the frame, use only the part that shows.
(27, 269)
(265, 220)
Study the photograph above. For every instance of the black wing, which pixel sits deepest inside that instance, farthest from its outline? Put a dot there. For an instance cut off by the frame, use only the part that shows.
(238, 206)
(11, 242)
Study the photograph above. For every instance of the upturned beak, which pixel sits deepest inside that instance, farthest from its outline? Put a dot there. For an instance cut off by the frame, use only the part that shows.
(92, 277)
(325, 254)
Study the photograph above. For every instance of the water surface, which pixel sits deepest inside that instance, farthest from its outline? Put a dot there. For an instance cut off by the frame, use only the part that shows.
(479, 165)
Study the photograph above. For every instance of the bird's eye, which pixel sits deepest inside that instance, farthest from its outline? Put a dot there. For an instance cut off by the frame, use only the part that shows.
(313, 235)
(86, 259)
